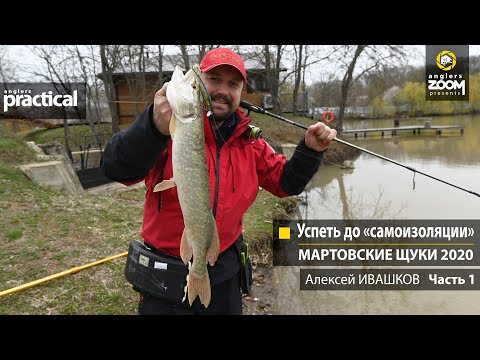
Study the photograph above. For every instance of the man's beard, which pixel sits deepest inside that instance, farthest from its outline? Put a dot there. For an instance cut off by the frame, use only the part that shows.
(219, 119)
(225, 117)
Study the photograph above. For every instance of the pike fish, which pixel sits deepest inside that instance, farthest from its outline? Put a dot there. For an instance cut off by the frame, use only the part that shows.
(187, 97)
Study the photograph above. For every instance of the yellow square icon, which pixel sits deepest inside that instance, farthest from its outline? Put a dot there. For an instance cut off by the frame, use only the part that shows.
(284, 233)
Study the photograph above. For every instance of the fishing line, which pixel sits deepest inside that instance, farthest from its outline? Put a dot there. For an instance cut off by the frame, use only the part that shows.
(278, 143)
(208, 107)
(254, 108)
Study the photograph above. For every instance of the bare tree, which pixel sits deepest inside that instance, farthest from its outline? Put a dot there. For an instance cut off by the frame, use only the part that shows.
(298, 75)
(272, 60)
(185, 56)
(302, 60)
(87, 61)
(7, 70)
(202, 50)
(373, 56)
(91, 66)
(133, 65)
(59, 70)
(143, 57)
(347, 82)
(110, 58)
(304, 87)
(63, 64)
(7, 73)
(161, 51)
(154, 62)
(474, 64)
(326, 91)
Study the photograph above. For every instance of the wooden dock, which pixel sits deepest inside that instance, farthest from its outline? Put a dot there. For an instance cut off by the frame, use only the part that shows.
(416, 129)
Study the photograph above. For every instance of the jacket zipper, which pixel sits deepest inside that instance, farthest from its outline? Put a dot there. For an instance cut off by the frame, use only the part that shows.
(217, 181)
(217, 174)
(159, 179)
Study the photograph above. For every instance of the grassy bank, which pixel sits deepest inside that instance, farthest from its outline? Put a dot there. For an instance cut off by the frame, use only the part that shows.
(274, 131)
(44, 232)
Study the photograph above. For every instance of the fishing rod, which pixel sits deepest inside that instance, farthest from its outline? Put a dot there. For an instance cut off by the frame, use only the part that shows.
(258, 109)
(59, 275)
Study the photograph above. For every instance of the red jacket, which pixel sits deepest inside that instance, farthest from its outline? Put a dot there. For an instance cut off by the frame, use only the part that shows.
(141, 152)
(243, 166)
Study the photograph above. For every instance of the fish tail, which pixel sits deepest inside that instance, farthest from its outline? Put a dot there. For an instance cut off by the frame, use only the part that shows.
(201, 287)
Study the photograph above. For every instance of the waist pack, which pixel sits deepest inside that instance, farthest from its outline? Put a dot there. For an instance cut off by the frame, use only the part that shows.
(159, 274)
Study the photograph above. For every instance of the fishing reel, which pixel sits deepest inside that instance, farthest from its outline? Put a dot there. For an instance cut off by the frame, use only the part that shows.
(255, 133)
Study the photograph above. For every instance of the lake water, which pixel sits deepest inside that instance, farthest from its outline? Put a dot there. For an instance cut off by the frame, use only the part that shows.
(377, 189)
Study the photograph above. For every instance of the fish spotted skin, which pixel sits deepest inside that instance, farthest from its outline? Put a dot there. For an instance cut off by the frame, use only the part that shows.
(190, 175)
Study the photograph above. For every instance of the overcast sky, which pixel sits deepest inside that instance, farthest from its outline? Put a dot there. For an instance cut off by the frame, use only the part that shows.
(21, 54)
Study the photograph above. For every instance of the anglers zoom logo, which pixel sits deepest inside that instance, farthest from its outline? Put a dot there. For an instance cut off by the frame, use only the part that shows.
(43, 100)
(447, 72)
(446, 60)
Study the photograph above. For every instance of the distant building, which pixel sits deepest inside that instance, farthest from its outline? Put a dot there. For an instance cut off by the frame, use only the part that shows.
(136, 90)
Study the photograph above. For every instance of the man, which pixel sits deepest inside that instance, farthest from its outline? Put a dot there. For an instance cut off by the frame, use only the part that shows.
(237, 167)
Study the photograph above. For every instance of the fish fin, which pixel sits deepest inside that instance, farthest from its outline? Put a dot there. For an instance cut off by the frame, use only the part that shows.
(200, 287)
(186, 250)
(172, 125)
(164, 185)
(214, 248)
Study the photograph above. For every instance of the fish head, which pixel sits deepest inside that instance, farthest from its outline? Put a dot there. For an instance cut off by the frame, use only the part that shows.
(184, 94)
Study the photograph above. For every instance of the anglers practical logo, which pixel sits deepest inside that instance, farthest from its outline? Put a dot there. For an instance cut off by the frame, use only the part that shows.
(447, 72)
(43, 100)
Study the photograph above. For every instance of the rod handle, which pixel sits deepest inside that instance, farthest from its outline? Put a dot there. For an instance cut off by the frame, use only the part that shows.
(249, 106)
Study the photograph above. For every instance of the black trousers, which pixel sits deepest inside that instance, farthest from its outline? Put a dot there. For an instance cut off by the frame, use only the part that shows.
(226, 300)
